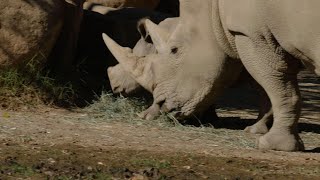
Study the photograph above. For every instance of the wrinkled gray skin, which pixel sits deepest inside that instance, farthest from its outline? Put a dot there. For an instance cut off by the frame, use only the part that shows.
(207, 49)
(122, 83)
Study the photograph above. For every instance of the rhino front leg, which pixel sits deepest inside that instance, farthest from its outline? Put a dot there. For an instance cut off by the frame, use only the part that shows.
(150, 113)
(278, 76)
(260, 127)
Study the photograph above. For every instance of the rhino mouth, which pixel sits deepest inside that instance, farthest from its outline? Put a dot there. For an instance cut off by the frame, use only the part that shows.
(176, 110)
(192, 107)
(180, 113)
(170, 101)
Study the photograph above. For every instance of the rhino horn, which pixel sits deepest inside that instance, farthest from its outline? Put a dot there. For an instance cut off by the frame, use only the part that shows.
(123, 55)
(158, 35)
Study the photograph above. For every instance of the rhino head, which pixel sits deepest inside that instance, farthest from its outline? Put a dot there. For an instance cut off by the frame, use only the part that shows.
(189, 68)
(120, 80)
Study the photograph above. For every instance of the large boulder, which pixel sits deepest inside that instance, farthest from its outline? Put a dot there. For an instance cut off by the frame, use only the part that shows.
(148, 4)
(28, 28)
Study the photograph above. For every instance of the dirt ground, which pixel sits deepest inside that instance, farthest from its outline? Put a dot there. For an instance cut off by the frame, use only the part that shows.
(53, 143)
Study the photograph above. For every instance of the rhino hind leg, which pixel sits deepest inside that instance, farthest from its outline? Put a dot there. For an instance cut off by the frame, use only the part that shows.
(265, 116)
(277, 76)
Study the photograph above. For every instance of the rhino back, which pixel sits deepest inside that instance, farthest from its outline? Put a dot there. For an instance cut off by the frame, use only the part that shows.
(292, 24)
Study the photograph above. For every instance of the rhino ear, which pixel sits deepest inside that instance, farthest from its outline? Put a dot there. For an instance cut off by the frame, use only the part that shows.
(141, 28)
(123, 55)
(158, 35)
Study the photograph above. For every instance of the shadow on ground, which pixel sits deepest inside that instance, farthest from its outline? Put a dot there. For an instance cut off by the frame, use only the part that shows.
(240, 124)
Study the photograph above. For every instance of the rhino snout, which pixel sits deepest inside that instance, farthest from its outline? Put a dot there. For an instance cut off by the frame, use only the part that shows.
(116, 85)
(173, 110)
(168, 106)
(111, 76)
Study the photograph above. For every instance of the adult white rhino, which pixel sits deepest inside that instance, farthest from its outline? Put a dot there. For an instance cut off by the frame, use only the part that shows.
(271, 38)
(122, 83)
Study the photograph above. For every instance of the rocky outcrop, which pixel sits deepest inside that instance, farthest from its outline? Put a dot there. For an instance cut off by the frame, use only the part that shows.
(32, 27)
(28, 28)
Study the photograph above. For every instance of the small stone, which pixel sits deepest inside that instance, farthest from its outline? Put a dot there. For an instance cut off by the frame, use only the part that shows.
(138, 177)
(187, 167)
(48, 173)
(51, 161)
(89, 168)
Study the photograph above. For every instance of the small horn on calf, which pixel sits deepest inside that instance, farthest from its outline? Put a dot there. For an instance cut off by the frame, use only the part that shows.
(158, 35)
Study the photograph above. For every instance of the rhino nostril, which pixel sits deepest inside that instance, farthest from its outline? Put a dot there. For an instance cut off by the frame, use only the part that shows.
(117, 89)
(168, 108)
(161, 103)
(177, 114)
(163, 106)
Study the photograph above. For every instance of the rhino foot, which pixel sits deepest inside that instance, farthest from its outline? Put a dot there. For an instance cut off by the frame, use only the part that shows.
(257, 128)
(279, 141)
(152, 112)
(260, 127)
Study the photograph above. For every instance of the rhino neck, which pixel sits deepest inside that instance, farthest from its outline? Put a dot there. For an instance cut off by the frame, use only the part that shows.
(223, 37)
(195, 23)
(206, 18)
(196, 14)
(207, 62)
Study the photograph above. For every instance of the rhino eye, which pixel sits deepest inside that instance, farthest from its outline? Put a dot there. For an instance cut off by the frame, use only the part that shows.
(174, 50)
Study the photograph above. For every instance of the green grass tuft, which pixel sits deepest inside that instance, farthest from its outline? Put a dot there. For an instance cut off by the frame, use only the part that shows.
(110, 108)
(30, 85)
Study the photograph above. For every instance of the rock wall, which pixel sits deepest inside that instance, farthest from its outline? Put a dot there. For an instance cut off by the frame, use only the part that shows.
(28, 27)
